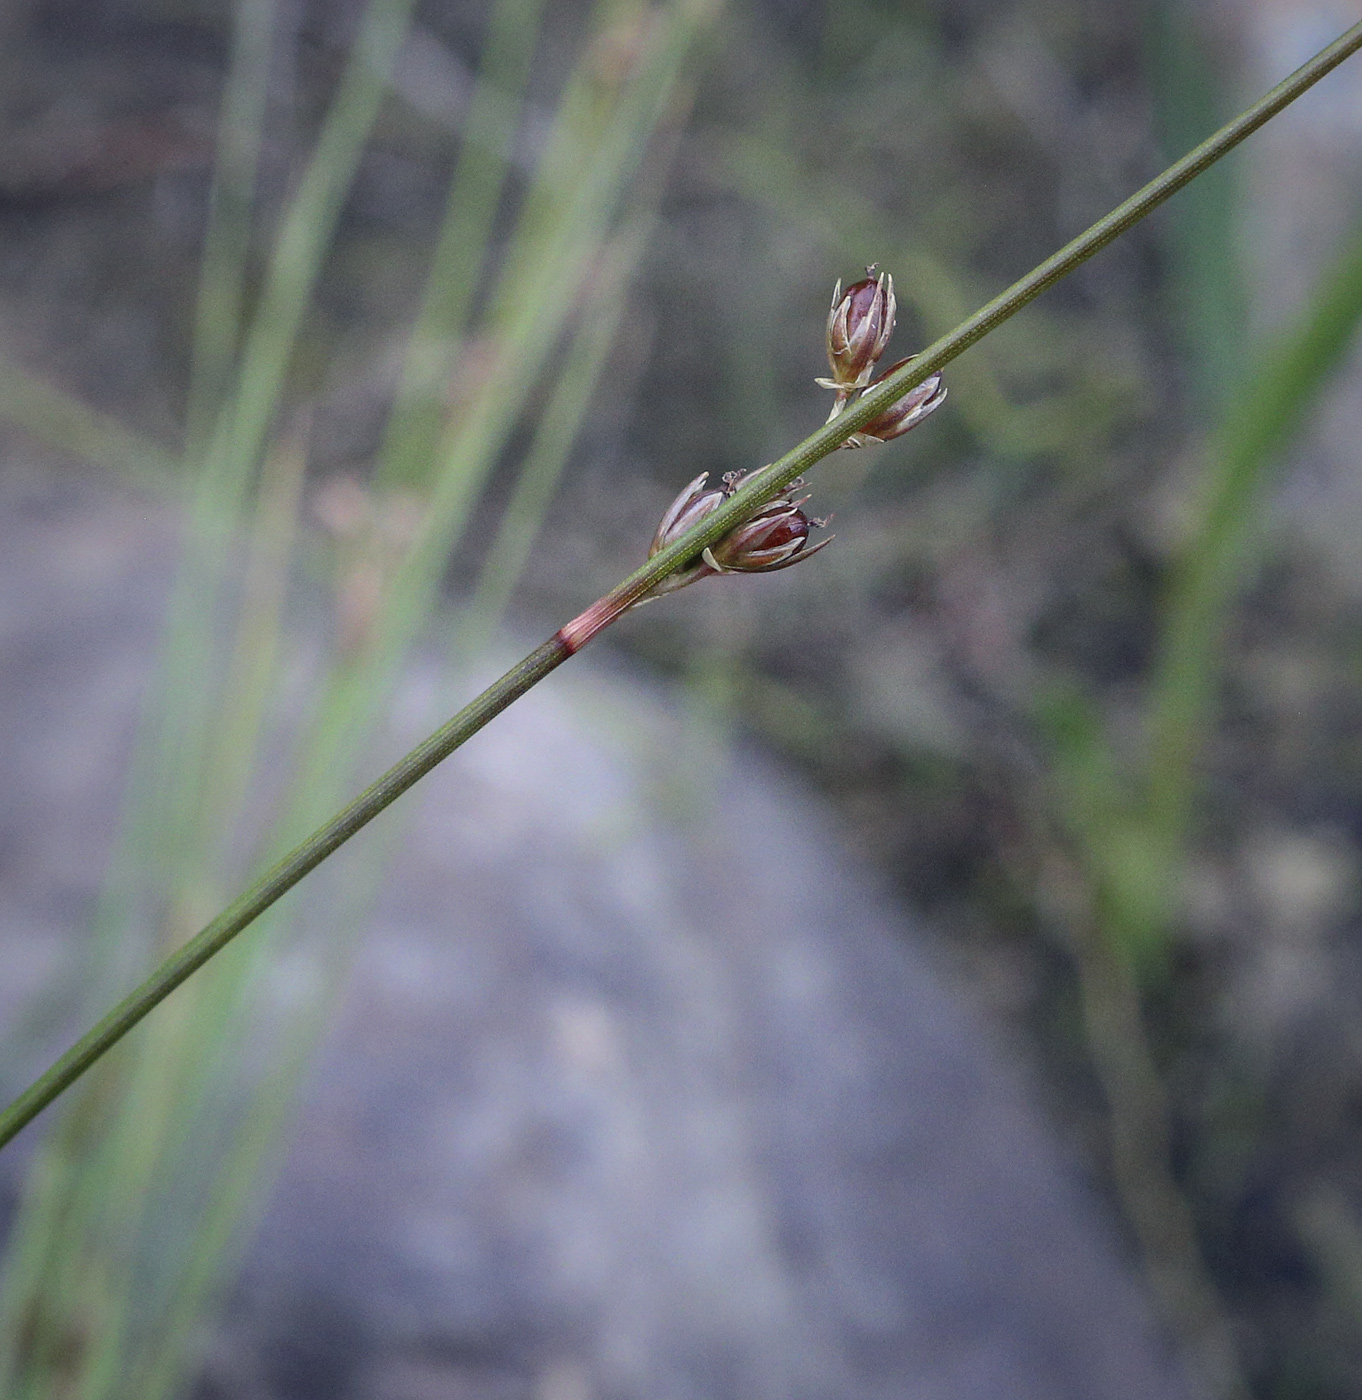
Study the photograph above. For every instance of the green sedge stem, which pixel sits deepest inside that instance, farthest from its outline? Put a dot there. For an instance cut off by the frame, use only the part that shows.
(278, 881)
(759, 488)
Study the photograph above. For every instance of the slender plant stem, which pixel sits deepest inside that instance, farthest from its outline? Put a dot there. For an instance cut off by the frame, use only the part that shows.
(278, 881)
(759, 488)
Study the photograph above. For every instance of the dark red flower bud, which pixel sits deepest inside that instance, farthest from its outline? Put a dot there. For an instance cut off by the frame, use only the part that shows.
(774, 538)
(859, 326)
(907, 413)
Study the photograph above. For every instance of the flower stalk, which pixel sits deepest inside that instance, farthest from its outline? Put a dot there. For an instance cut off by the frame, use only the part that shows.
(754, 492)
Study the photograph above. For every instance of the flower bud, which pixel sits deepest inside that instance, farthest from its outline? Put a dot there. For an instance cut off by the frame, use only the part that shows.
(774, 538)
(859, 326)
(686, 511)
(907, 413)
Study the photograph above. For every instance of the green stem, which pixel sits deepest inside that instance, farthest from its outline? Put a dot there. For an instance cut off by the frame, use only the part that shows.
(277, 882)
(759, 488)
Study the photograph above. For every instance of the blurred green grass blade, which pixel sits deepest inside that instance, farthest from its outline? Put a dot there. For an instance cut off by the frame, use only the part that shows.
(357, 692)
(560, 423)
(1134, 835)
(227, 238)
(1206, 294)
(613, 103)
(218, 1237)
(27, 1258)
(252, 671)
(305, 236)
(106, 1285)
(558, 429)
(566, 221)
(461, 250)
(81, 1230)
(148, 1145)
(543, 280)
(1259, 427)
(60, 420)
(359, 686)
(607, 144)
(306, 233)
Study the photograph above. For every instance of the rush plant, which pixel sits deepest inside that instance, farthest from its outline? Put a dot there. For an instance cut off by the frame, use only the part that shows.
(717, 529)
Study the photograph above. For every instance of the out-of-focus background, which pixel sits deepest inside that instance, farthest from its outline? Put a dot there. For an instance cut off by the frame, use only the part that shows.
(438, 305)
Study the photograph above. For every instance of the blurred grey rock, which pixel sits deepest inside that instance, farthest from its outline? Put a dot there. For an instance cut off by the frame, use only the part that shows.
(641, 1089)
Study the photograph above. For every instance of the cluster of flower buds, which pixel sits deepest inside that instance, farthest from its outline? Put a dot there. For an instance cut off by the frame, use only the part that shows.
(774, 537)
(859, 326)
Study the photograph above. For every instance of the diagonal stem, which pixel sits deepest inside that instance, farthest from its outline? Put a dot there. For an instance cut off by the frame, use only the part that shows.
(759, 488)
